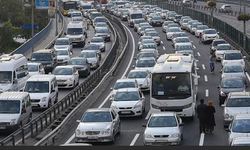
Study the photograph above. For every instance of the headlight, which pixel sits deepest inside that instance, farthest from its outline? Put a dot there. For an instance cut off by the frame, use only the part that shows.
(43, 99)
(108, 35)
(188, 106)
(107, 131)
(222, 93)
(78, 132)
(227, 116)
(155, 106)
(70, 79)
(175, 135)
(148, 136)
(137, 105)
(12, 121)
(114, 107)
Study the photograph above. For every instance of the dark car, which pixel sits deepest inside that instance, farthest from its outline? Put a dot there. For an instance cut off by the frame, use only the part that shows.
(81, 64)
(215, 42)
(93, 47)
(156, 21)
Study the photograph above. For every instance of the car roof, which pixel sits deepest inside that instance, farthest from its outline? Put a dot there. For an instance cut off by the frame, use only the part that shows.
(139, 70)
(64, 66)
(34, 63)
(239, 94)
(232, 51)
(166, 113)
(224, 44)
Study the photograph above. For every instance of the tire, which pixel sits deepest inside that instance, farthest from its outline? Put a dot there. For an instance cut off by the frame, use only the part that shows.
(30, 118)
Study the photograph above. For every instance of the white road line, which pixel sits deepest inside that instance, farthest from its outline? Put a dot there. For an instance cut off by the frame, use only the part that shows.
(201, 139)
(161, 42)
(134, 140)
(148, 115)
(130, 61)
(207, 93)
(198, 54)
(203, 66)
(164, 48)
(205, 77)
(248, 77)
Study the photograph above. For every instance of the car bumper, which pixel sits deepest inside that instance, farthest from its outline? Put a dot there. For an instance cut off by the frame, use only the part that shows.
(169, 141)
(68, 84)
(129, 112)
(94, 139)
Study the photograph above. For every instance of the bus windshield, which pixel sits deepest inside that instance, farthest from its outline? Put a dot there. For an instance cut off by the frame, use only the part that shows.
(5, 77)
(170, 86)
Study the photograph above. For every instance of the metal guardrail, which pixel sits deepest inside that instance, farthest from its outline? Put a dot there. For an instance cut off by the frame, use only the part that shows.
(49, 116)
(50, 137)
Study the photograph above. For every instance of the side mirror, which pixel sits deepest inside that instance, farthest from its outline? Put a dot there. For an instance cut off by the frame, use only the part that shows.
(144, 125)
(181, 124)
(28, 59)
(15, 81)
(244, 57)
(78, 121)
(218, 87)
(53, 90)
(64, 33)
(111, 88)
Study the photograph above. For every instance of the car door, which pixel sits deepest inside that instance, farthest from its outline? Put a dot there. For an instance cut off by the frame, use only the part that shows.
(53, 91)
(115, 121)
(76, 75)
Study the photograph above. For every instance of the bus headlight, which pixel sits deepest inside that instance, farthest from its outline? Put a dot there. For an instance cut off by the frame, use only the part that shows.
(155, 107)
(188, 106)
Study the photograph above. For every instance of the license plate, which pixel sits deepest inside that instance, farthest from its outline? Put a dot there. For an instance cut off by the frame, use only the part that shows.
(161, 140)
(125, 112)
(2, 127)
(92, 137)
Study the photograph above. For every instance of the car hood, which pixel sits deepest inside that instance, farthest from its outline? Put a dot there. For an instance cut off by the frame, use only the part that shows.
(210, 35)
(236, 74)
(62, 56)
(90, 60)
(227, 90)
(5, 87)
(93, 126)
(61, 46)
(38, 95)
(124, 103)
(237, 110)
(63, 77)
(8, 117)
(161, 130)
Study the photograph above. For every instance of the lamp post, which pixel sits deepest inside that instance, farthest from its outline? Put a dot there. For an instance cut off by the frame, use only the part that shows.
(32, 23)
(56, 18)
(244, 27)
(240, 6)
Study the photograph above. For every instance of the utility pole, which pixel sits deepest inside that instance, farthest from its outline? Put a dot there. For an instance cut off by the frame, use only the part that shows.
(32, 26)
(56, 18)
(244, 27)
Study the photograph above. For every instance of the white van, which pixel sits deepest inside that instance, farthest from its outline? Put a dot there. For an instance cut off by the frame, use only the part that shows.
(76, 33)
(43, 90)
(13, 72)
(15, 110)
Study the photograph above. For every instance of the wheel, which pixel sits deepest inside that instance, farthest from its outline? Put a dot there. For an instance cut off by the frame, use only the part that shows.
(30, 118)
(49, 104)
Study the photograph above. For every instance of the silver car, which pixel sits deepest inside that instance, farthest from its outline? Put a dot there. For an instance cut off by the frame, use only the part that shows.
(163, 128)
(103, 32)
(98, 125)
(98, 41)
(235, 103)
(143, 77)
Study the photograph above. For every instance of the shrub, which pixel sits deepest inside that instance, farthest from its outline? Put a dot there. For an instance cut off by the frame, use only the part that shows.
(243, 17)
(211, 3)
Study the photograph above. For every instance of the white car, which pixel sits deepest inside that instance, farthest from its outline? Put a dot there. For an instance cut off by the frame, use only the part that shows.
(233, 56)
(184, 23)
(163, 128)
(239, 127)
(92, 57)
(145, 63)
(35, 68)
(143, 77)
(240, 141)
(235, 103)
(63, 43)
(98, 125)
(184, 46)
(63, 56)
(128, 102)
(98, 41)
(143, 37)
(181, 40)
(171, 31)
(221, 49)
(199, 29)
(208, 35)
(77, 19)
(124, 83)
(165, 24)
(66, 76)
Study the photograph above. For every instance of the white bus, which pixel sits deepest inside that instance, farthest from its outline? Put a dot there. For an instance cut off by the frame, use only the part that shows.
(167, 76)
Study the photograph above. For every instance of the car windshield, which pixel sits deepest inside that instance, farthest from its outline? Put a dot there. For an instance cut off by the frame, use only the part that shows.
(168, 22)
(96, 117)
(9, 107)
(62, 71)
(128, 84)
(76, 62)
(182, 40)
(5, 77)
(233, 68)
(232, 83)
(32, 68)
(152, 34)
(156, 18)
(100, 20)
(173, 25)
(87, 54)
(241, 126)
(62, 42)
(37, 87)
(162, 121)
(184, 47)
(180, 35)
(147, 41)
(210, 32)
(224, 47)
(126, 96)
(97, 40)
(202, 27)
(145, 63)
(233, 56)
(77, 19)
(101, 25)
(139, 74)
(238, 102)
(91, 47)
(135, 16)
(61, 52)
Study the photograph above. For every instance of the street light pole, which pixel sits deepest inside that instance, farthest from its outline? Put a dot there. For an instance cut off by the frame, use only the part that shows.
(244, 27)
(240, 6)
(56, 18)
(32, 25)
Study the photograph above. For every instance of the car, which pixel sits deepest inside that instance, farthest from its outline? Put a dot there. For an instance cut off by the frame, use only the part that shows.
(189, 52)
(233, 56)
(101, 24)
(221, 49)
(103, 32)
(199, 29)
(63, 43)
(208, 35)
(207, 4)
(63, 55)
(230, 84)
(70, 11)
(239, 127)
(124, 83)
(235, 103)
(184, 23)
(184, 46)
(240, 141)
(35, 68)
(98, 125)
(189, 24)
(163, 128)
(92, 57)
(128, 102)
(226, 8)
(215, 42)
(186, 2)
(81, 64)
(177, 18)
(163, 13)
(171, 25)
(179, 34)
(146, 53)
(94, 47)
(149, 47)
(141, 26)
(171, 31)
(145, 41)
(181, 40)
(143, 77)
(66, 76)
(99, 19)
(143, 37)
(171, 15)
(137, 22)
(77, 19)
(165, 24)
(152, 29)
(234, 69)
(145, 63)
(194, 26)
(98, 41)
(156, 21)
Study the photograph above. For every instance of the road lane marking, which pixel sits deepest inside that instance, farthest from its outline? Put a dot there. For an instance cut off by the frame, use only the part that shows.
(202, 139)
(203, 66)
(248, 76)
(207, 93)
(148, 115)
(134, 140)
(164, 48)
(161, 42)
(198, 54)
(205, 78)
